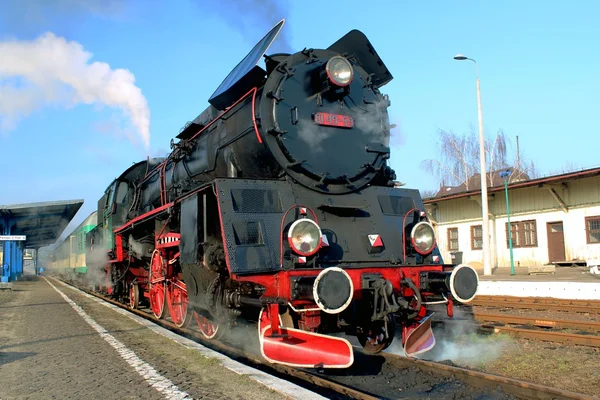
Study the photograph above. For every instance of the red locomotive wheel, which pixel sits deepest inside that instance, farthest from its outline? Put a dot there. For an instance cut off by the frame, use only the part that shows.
(177, 301)
(374, 339)
(208, 329)
(158, 292)
(134, 296)
(158, 289)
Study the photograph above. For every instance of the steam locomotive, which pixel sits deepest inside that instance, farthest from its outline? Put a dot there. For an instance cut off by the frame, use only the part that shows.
(276, 205)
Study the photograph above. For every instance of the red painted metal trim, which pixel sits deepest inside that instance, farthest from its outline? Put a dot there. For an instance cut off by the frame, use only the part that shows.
(251, 91)
(278, 284)
(160, 244)
(255, 90)
(143, 217)
(196, 191)
(119, 247)
(404, 233)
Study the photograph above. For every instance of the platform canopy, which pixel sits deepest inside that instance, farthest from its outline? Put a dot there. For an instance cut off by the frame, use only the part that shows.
(41, 223)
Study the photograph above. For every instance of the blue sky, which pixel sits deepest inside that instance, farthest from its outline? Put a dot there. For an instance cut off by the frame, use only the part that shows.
(539, 64)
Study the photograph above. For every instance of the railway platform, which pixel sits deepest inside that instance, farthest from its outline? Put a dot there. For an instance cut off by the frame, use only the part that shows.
(59, 342)
(565, 283)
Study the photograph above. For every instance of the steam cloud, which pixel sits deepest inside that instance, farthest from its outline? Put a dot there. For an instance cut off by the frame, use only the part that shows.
(95, 276)
(52, 71)
(460, 343)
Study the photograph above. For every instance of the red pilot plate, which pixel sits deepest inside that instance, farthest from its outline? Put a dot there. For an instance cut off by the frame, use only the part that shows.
(336, 120)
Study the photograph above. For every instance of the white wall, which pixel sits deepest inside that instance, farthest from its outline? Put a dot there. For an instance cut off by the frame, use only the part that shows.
(576, 246)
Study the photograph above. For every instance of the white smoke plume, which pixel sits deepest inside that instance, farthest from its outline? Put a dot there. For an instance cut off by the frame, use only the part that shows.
(460, 342)
(51, 71)
(96, 276)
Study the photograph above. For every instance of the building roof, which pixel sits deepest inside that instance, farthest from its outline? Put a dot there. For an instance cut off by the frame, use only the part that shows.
(498, 184)
(43, 222)
(474, 182)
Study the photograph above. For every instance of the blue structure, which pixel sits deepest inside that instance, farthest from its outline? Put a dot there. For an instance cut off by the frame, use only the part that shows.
(40, 224)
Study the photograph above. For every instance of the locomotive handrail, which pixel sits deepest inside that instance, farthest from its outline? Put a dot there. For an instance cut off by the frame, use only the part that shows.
(445, 301)
(301, 310)
(253, 91)
(404, 233)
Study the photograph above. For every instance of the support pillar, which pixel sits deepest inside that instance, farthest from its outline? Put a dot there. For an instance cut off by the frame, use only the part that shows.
(19, 261)
(8, 262)
(13, 261)
(35, 262)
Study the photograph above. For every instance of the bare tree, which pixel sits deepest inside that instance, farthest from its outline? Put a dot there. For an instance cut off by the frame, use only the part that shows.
(458, 158)
(427, 193)
(455, 163)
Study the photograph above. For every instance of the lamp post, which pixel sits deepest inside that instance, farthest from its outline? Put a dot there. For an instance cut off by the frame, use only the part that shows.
(506, 175)
(487, 267)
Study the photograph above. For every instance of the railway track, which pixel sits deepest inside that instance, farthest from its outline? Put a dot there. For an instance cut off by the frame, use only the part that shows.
(538, 303)
(545, 335)
(592, 326)
(548, 336)
(330, 383)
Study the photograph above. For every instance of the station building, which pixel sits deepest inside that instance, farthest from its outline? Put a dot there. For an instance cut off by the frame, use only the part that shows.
(555, 220)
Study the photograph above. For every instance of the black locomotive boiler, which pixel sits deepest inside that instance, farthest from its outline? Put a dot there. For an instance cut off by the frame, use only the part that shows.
(277, 205)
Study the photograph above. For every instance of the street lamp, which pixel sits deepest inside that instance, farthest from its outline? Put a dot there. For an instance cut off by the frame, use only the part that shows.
(506, 175)
(487, 265)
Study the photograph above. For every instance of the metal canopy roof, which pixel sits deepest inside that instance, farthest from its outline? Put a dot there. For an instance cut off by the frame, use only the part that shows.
(42, 223)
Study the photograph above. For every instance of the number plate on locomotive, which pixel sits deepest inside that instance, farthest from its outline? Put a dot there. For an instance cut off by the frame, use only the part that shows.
(337, 120)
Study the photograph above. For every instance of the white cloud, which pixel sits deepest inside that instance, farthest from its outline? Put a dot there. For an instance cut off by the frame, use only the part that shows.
(51, 71)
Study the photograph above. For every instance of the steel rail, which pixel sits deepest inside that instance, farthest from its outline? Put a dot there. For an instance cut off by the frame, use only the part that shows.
(546, 336)
(541, 303)
(539, 321)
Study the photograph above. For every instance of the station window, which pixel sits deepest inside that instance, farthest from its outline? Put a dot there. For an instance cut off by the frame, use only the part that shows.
(452, 239)
(592, 229)
(524, 233)
(476, 237)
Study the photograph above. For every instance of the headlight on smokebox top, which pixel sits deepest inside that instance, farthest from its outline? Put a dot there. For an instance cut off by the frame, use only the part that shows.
(304, 237)
(339, 71)
(422, 238)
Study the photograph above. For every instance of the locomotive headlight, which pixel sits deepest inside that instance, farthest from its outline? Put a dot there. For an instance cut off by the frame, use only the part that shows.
(422, 237)
(339, 71)
(304, 237)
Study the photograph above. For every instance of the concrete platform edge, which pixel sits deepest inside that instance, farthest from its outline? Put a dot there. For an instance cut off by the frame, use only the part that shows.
(277, 384)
